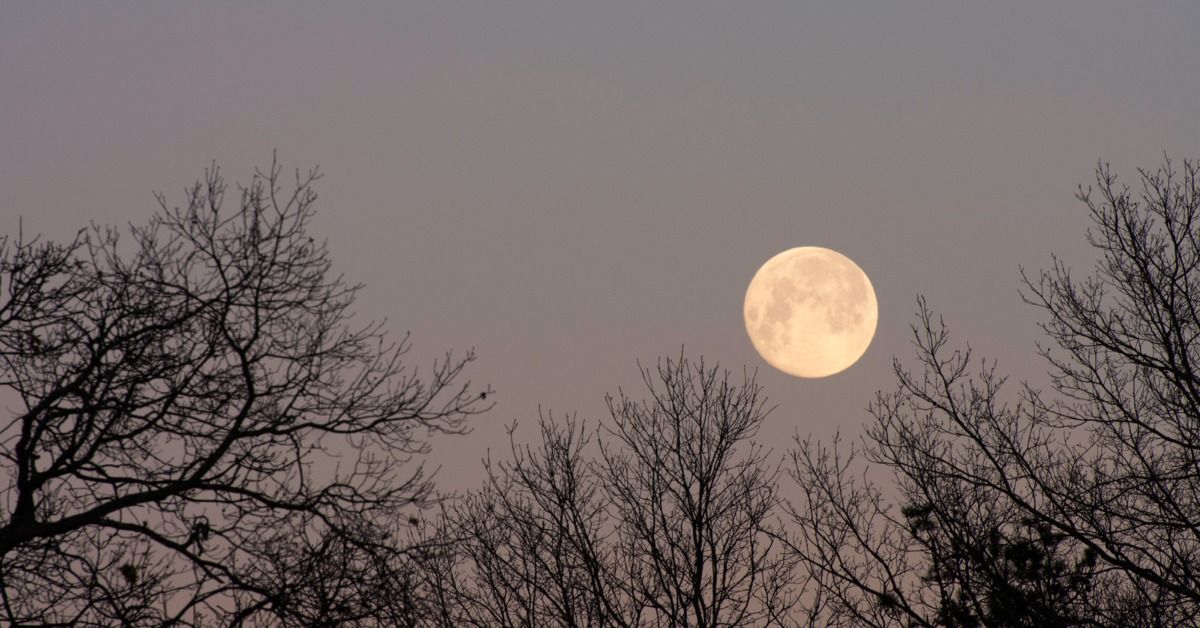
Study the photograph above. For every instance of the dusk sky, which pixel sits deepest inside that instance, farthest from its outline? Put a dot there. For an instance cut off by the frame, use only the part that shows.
(571, 187)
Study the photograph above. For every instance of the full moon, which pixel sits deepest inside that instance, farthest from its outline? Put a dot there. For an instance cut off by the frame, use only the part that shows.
(811, 312)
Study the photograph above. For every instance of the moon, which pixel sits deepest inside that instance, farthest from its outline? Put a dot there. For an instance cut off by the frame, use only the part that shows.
(811, 312)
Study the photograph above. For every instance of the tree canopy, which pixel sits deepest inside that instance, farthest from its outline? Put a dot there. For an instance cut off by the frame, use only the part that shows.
(201, 432)
(1076, 505)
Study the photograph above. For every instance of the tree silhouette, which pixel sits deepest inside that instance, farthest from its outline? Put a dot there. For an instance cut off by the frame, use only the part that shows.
(662, 517)
(195, 409)
(1079, 505)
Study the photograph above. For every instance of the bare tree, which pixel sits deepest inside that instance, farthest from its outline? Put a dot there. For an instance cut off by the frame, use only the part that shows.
(664, 516)
(1074, 506)
(195, 407)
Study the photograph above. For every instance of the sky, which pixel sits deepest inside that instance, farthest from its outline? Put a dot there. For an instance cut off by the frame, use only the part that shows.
(573, 187)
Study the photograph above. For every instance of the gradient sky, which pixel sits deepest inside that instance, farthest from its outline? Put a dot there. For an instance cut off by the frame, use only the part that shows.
(570, 187)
